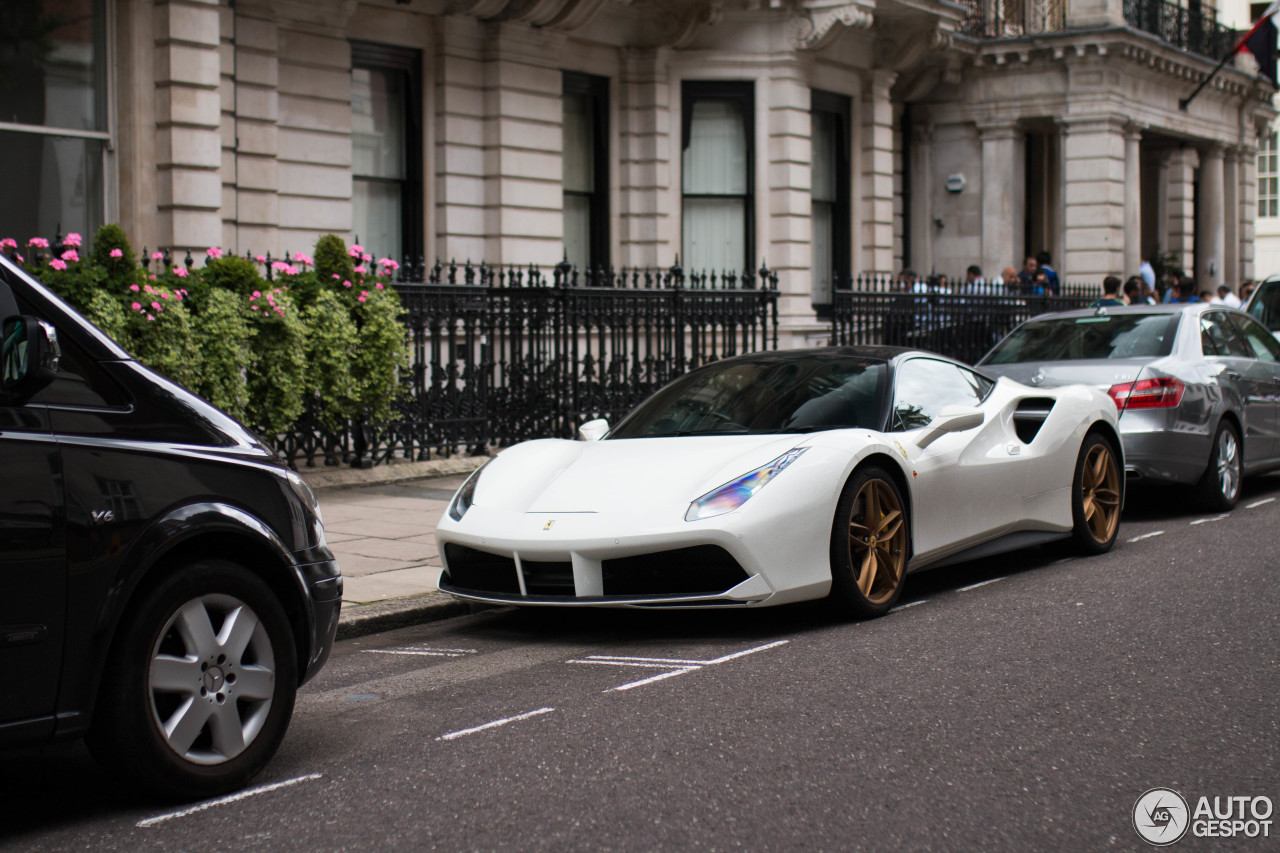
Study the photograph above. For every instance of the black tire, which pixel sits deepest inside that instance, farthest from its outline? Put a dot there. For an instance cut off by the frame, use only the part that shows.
(245, 681)
(1096, 496)
(1219, 486)
(870, 544)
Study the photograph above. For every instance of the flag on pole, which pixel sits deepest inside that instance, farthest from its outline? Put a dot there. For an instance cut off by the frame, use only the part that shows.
(1261, 42)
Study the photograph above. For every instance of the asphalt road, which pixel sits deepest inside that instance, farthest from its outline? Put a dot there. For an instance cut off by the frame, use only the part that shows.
(1023, 703)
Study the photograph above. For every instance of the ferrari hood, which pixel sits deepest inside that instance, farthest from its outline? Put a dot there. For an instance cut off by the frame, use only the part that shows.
(622, 475)
(1099, 373)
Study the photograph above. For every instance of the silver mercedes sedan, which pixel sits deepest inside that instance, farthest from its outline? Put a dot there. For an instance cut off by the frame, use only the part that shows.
(1197, 386)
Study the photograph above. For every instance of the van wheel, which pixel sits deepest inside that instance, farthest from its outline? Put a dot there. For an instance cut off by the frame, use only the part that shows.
(200, 684)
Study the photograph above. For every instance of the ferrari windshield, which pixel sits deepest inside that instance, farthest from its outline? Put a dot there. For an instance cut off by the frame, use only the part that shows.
(1091, 337)
(770, 394)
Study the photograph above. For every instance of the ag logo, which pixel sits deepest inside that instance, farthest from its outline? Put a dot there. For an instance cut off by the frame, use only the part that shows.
(1161, 816)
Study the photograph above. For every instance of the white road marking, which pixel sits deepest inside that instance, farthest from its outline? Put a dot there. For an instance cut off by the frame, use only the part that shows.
(908, 604)
(978, 584)
(1207, 520)
(678, 666)
(1257, 504)
(1150, 535)
(222, 801)
(495, 724)
(427, 652)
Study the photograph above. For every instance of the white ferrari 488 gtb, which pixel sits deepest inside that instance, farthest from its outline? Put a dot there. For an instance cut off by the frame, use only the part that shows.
(782, 476)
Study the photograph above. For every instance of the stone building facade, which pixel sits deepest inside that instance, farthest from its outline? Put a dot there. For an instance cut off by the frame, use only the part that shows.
(824, 138)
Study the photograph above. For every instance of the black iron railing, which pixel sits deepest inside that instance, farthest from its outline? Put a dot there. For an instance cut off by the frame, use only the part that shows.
(1193, 29)
(503, 354)
(962, 322)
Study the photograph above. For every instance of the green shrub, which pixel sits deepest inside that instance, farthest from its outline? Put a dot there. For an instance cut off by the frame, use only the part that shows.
(381, 354)
(277, 374)
(331, 348)
(224, 337)
(333, 262)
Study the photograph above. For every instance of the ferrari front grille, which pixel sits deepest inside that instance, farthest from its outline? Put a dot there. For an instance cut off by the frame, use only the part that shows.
(700, 570)
(478, 571)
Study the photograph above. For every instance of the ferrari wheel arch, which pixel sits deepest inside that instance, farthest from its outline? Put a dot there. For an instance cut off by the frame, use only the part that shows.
(893, 467)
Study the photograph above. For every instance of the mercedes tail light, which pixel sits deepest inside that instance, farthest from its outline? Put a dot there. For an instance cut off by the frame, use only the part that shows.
(1164, 392)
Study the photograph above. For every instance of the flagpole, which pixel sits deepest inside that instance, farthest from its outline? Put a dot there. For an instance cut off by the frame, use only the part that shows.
(1182, 102)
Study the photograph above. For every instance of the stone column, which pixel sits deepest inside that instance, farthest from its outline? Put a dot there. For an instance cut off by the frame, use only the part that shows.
(644, 161)
(785, 107)
(1003, 189)
(460, 166)
(188, 122)
(1248, 209)
(1209, 235)
(1183, 163)
(1231, 224)
(921, 223)
(251, 175)
(877, 173)
(1132, 201)
(1094, 195)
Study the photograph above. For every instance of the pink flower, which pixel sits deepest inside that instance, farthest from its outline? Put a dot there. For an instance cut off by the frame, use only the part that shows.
(279, 266)
(364, 293)
(302, 259)
(38, 242)
(356, 250)
(149, 317)
(178, 295)
(148, 288)
(155, 306)
(137, 306)
(9, 243)
(19, 257)
(256, 294)
(346, 283)
(57, 264)
(291, 270)
(366, 257)
(361, 269)
(262, 259)
(155, 256)
(335, 275)
(73, 239)
(213, 252)
(378, 285)
(388, 263)
(152, 276)
(164, 295)
(360, 299)
(134, 288)
(117, 253)
(70, 255)
(180, 272)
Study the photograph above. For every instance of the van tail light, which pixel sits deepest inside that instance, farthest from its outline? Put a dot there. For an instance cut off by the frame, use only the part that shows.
(1164, 392)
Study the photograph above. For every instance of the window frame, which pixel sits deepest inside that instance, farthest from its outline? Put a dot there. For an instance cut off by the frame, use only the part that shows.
(596, 89)
(841, 107)
(1269, 178)
(743, 93)
(407, 61)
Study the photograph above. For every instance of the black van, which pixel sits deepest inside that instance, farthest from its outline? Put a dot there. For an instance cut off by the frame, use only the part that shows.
(165, 585)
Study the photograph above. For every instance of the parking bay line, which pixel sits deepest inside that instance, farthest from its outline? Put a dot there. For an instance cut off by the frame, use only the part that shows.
(1257, 504)
(495, 724)
(222, 801)
(427, 652)
(1150, 535)
(677, 666)
(978, 584)
(1207, 520)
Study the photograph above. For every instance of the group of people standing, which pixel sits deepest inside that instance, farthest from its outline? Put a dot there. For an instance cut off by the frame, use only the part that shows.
(1177, 286)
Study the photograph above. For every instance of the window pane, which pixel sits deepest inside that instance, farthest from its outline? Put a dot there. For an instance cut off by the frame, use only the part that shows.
(714, 231)
(715, 163)
(577, 230)
(376, 220)
(823, 170)
(823, 228)
(57, 188)
(579, 147)
(377, 123)
(52, 70)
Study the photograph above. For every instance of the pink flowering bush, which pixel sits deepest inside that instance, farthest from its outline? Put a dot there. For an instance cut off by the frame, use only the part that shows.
(324, 334)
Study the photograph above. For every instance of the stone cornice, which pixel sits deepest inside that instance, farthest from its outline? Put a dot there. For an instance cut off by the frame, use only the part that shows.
(813, 23)
(1132, 46)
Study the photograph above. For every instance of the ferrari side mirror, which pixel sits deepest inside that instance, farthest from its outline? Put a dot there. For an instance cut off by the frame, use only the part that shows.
(951, 419)
(593, 430)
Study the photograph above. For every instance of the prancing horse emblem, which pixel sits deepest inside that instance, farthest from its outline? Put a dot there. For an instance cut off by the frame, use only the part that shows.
(547, 526)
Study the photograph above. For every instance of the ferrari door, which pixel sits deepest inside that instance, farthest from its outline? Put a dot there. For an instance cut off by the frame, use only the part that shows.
(960, 487)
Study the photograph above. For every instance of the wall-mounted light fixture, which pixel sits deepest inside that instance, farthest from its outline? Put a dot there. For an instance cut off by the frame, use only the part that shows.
(955, 183)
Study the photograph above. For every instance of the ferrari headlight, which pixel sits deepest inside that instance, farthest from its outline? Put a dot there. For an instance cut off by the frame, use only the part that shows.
(462, 500)
(732, 495)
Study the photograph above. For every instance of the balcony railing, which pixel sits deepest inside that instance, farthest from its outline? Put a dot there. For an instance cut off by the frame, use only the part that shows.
(1191, 28)
(1197, 31)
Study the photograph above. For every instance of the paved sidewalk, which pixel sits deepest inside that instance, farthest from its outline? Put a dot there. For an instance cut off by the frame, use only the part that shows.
(380, 524)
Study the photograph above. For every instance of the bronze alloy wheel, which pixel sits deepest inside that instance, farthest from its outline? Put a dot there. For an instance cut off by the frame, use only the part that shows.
(1100, 492)
(877, 541)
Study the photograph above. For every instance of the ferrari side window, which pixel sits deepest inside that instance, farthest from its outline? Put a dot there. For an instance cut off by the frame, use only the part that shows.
(924, 387)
